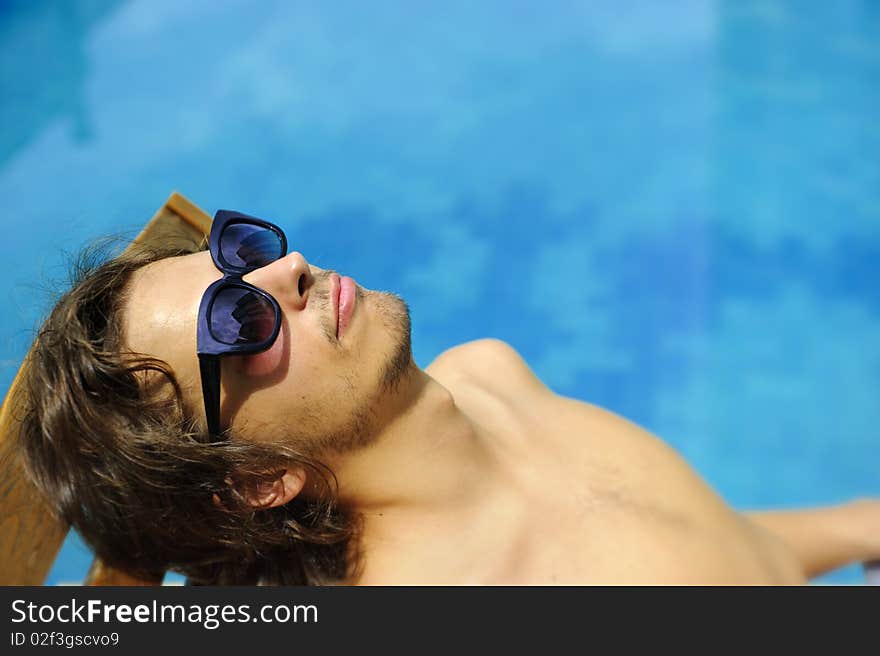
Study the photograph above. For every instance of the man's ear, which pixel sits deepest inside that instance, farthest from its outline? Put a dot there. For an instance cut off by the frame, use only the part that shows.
(276, 492)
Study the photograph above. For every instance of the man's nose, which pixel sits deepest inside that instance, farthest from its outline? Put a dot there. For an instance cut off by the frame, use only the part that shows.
(288, 279)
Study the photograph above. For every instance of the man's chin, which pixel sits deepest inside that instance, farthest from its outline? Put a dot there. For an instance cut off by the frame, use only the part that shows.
(394, 313)
(367, 422)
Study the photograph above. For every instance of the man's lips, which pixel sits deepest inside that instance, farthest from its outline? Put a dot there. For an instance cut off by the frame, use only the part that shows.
(343, 291)
(347, 301)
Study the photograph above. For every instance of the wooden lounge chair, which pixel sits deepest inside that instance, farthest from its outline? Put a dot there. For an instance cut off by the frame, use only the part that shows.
(30, 536)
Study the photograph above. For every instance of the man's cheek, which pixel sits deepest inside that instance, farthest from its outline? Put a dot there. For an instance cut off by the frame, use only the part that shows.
(265, 363)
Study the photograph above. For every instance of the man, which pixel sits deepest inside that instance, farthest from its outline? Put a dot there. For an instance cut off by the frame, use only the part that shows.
(242, 416)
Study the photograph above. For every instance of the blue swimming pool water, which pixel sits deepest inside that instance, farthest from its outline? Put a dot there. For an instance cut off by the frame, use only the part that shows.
(671, 209)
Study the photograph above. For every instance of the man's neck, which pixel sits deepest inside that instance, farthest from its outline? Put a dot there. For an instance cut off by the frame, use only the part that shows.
(430, 457)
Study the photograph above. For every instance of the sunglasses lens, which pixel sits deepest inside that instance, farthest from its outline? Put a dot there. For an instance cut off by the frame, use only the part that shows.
(245, 245)
(241, 316)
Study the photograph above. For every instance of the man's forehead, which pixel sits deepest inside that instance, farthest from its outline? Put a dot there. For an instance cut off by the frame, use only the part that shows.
(159, 316)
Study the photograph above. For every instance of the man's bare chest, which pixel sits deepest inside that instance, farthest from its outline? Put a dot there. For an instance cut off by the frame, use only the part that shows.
(592, 498)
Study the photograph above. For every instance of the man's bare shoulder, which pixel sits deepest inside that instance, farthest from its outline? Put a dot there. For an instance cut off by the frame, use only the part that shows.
(488, 362)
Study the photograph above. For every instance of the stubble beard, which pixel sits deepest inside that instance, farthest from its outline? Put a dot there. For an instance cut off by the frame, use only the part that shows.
(362, 428)
(396, 319)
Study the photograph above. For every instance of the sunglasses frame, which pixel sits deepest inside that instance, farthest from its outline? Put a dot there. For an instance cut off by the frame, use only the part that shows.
(208, 348)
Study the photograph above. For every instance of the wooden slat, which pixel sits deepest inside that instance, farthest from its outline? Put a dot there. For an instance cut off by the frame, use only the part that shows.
(178, 221)
(29, 535)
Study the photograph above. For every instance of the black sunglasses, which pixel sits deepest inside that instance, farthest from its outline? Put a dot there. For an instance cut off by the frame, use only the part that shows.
(236, 318)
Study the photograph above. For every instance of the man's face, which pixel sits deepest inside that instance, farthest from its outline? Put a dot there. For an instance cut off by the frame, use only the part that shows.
(312, 388)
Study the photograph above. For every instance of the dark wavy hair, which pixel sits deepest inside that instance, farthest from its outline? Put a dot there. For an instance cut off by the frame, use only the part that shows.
(128, 467)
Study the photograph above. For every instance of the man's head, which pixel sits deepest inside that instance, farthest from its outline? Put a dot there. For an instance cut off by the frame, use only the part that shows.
(312, 388)
(115, 429)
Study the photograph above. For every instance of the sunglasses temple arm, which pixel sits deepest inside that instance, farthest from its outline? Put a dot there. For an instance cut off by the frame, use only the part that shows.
(210, 370)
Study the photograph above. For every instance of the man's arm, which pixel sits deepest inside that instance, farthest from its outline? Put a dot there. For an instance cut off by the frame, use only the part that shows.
(826, 538)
